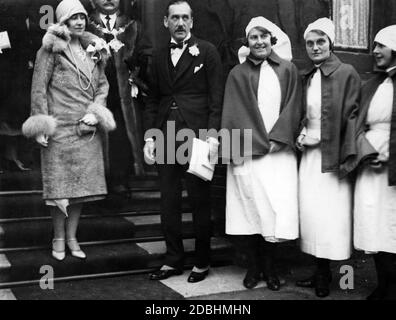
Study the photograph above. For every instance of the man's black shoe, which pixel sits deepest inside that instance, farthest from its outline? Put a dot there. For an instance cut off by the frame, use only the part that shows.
(165, 274)
(197, 276)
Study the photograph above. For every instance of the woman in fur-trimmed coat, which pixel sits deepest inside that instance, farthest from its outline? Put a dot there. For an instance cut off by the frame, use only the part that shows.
(68, 118)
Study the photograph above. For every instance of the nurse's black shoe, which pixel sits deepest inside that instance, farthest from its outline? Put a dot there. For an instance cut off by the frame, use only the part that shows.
(306, 283)
(252, 279)
(310, 282)
(322, 285)
(273, 282)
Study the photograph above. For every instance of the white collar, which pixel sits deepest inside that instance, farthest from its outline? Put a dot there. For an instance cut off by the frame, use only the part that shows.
(185, 40)
(112, 16)
(112, 21)
(390, 69)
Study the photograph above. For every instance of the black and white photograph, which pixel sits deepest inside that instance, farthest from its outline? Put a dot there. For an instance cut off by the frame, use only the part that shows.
(198, 156)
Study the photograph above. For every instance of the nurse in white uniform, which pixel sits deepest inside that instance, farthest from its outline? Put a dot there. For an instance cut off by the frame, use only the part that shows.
(332, 90)
(375, 192)
(264, 94)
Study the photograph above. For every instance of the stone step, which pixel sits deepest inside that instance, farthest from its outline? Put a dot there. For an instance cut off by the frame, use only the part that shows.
(32, 205)
(25, 236)
(101, 260)
(31, 180)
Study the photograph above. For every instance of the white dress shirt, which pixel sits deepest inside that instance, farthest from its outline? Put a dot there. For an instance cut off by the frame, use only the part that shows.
(112, 21)
(177, 53)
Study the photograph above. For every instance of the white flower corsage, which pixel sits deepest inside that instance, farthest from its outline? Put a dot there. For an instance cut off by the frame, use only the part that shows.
(97, 47)
(194, 51)
(116, 44)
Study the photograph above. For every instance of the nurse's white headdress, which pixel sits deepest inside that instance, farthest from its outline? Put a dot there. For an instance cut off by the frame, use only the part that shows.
(323, 24)
(387, 37)
(283, 46)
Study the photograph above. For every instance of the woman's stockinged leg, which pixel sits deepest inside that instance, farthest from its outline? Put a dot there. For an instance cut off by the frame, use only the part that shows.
(58, 242)
(71, 231)
(58, 222)
(253, 275)
(74, 212)
(268, 256)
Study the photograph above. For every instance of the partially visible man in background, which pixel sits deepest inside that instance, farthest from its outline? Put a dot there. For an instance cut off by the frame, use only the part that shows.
(15, 81)
(129, 50)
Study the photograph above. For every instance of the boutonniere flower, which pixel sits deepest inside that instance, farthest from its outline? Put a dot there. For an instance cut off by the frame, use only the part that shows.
(194, 51)
(96, 48)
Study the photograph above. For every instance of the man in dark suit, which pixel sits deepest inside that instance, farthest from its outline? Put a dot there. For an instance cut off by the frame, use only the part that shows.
(127, 44)
(186, 92)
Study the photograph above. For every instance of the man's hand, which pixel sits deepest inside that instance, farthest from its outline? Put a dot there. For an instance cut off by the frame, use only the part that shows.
(275, 147)
(213, 149)
(300, 142)
(42, 140)
(134, 90)
(149, 151)
(90, 119)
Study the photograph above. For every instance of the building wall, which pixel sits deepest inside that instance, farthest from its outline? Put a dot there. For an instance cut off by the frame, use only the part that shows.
(223, 21)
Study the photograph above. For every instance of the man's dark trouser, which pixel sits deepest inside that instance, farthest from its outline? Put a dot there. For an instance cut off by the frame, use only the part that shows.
(171, 208)
(120, 151)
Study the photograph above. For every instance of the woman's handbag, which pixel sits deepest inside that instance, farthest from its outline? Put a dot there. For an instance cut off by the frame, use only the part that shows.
(83, 129)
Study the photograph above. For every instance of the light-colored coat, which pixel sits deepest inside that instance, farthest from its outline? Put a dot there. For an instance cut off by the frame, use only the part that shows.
(72, 165)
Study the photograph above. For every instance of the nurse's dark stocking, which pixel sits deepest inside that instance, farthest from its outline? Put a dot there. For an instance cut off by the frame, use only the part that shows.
(253, 275)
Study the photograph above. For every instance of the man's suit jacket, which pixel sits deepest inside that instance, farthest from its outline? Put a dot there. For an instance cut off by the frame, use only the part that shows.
(137, 50)
(196, 87)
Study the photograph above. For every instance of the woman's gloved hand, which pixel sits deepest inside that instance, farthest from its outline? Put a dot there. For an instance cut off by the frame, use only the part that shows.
(42, 140)
(90, 119)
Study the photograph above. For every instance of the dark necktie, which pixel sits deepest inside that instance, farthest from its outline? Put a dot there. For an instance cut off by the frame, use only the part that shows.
(108, 23)
(173, 45)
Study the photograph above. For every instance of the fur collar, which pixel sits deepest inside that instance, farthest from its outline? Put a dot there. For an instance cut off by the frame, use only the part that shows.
(58, 37)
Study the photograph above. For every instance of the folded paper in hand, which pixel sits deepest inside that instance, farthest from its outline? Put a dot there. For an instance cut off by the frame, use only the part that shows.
(200, 165)
(4, 41)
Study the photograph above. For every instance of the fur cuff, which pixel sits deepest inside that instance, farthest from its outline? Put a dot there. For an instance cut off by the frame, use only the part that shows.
(104, 116)
(39, 124)
(56, 38)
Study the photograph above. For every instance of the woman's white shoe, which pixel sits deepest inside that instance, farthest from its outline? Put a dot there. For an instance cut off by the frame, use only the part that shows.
(75, 249)
(58, 253)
